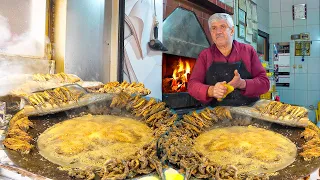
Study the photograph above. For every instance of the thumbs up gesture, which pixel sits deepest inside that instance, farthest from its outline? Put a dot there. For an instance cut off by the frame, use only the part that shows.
(237, 82)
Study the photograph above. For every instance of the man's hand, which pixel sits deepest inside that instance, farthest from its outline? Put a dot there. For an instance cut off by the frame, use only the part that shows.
(237, 82)
(218, 90)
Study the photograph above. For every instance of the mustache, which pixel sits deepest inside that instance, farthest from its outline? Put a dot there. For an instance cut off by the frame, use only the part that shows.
(219, 35)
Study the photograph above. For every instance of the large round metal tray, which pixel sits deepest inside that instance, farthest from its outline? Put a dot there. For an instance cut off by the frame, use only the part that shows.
(34, 162)
(298, 169)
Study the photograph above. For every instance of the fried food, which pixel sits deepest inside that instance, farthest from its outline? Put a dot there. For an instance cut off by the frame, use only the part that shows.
(19, 134)
(309, 134)
(60, 78)
(311, 148)
(24, 124)
(176, 146)
(196, 123)
(84, 173)
(56, 96)
(314, 127)
(17, 145)
(151, 112)
(17, 116)
(132, 89)
(309, 154)
(122, 162)
(120, 100)
(116, 149)
(230, 89)
(222, 112)
(17, 137)
(177, 149)
(313, 143)
(143, 161)
(283, 111)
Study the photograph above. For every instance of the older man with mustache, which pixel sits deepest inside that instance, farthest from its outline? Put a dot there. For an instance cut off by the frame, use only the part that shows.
(227, 61)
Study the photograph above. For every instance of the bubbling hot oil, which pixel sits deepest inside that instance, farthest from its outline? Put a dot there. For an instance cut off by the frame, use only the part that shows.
(91, 140)
(251, 149)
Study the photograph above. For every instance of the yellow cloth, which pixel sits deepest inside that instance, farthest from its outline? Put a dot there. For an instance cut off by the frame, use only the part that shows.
(229, 90)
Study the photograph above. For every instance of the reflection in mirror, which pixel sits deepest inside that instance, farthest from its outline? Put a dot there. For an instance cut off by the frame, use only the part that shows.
(23, 27)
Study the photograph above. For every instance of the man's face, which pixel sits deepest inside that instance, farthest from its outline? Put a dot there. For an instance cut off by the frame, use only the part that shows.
(221, 33)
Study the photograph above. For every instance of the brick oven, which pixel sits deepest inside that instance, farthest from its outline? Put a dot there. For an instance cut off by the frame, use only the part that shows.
(185, 35)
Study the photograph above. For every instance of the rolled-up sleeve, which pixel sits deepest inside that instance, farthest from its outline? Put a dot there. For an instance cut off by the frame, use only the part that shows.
(259, 84)
(196, 86)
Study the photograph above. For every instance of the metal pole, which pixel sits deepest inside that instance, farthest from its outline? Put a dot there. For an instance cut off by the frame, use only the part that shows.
(121, 40)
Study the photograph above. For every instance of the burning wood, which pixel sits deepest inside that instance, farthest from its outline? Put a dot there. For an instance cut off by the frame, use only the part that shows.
(179, 80)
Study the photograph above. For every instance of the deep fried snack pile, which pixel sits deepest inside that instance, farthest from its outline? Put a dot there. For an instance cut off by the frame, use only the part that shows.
(17, 138)
(132, 89)
(53, 97)
(59, 78)
(176, 147)
(311, 149)
(144, 161)
(283, 111)
(196, 123)
(151, 112)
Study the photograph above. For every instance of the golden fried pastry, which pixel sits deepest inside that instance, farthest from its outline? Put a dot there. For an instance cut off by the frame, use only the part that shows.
(23, 124)
(133, 88)
(311, 153)
(60, 78)
(309, 134)
(19, 134)
(283, 111)
(17, 145)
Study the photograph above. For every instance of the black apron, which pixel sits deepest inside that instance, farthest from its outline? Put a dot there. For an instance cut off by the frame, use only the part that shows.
(219, 72)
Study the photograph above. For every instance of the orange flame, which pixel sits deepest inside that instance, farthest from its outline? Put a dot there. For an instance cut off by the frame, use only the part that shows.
(180, 76)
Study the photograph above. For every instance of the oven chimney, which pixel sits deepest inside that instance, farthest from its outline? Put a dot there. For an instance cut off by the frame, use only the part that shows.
(185, 38)
(183, 34)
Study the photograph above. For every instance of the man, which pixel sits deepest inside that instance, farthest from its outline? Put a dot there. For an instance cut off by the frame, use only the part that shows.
(227, 61)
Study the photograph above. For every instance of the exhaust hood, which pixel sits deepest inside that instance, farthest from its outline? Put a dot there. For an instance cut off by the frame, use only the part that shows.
(183, 34)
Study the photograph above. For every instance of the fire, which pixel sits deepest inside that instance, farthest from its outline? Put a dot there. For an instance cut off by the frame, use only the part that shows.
(176, 72)
(180, 76)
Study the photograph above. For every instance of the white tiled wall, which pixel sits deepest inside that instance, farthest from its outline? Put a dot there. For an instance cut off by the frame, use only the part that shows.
(304, 87)
(263, 15)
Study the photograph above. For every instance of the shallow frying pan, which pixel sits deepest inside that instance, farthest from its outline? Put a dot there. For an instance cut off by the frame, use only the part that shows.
(34, 162)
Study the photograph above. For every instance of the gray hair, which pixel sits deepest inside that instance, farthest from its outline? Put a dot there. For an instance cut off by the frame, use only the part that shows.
(221, 16)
